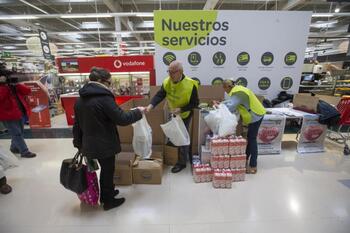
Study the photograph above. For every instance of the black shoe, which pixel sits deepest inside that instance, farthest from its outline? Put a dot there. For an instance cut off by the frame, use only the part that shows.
(113, 203)
(28, 154)
(15, 151)
(5, 189)
(115, 193)
(177, 168)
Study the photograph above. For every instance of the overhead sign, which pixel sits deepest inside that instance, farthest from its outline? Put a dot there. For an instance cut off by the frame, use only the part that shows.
(111, 63)
(261, 50)
(44, 40)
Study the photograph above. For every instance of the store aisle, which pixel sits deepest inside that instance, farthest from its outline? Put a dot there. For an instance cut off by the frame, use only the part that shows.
(290, 193)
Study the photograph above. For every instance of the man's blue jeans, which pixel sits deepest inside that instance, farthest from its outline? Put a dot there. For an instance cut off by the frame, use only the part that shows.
(16, 130)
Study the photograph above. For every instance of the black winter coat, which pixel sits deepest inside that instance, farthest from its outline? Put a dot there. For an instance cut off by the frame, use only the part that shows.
(96, 117)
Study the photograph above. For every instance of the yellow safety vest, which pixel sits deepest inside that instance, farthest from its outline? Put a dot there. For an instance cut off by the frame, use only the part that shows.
(179, 94)
(254, 104)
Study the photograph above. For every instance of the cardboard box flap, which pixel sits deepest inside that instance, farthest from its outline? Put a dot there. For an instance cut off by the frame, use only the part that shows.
(157, 155)
(125, 159)
(149, 164)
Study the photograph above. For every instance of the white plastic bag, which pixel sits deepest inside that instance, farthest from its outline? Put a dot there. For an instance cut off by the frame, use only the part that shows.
(221, 121)
(7, 160)
(142, 140)
(176, 131)
(228, 121)
(213, 120)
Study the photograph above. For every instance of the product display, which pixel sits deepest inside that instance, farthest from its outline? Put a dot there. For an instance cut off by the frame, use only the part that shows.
(227, 161)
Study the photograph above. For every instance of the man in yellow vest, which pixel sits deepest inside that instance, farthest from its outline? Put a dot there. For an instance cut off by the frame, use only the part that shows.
(181, 93)
(251, 111)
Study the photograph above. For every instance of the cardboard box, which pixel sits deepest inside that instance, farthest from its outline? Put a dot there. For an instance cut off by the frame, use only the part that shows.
(305, 102)
(171, 155)
(148, 171)
(155, 118)
(123, 168)
(211, 92)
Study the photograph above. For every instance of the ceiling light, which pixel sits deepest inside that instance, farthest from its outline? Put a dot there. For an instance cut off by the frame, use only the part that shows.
(337, 9)
(323, 15)
(324, 24)
(146, 14)
(75, 16)
(37, 24)
(18, 17)
(20, 38)
(90, 25)
(9, 47)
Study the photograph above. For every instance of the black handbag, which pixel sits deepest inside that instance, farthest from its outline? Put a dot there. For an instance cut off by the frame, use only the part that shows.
(73, 174)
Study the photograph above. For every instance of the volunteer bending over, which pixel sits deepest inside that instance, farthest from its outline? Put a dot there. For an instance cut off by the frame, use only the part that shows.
(182, 96)
(252, 112)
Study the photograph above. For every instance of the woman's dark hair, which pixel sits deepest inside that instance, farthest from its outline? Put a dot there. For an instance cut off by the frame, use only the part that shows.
(97, 73)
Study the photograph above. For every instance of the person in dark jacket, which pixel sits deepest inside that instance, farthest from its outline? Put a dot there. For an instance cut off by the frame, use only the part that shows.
(13, 108)
(181, 93)
(95, 132)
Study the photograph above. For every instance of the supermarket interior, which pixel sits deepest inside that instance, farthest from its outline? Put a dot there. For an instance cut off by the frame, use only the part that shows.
(174, 116)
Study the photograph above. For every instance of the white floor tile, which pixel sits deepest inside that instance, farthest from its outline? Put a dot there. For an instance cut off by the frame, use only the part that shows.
(290, 193)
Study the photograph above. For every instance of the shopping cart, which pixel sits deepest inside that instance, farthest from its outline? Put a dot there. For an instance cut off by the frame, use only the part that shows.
(342, 134)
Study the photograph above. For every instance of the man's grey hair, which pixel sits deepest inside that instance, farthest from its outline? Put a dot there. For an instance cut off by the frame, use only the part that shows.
(176, 64)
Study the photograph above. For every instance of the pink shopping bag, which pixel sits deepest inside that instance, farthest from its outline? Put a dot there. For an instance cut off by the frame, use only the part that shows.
(91, 195)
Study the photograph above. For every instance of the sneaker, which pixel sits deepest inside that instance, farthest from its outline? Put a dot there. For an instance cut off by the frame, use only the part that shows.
(28, 154)
(113, 203)
(14, 150)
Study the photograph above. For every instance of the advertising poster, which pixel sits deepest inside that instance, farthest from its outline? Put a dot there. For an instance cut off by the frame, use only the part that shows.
(38, 102)
(270, 134)
(261, 50)
(312, 135)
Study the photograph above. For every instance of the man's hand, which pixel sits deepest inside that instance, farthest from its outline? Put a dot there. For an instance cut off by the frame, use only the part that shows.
(149, 108)
(142, 109)
(176, 111)
(216, 103)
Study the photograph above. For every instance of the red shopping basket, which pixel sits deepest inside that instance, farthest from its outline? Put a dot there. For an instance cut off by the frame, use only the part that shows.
(344, 110)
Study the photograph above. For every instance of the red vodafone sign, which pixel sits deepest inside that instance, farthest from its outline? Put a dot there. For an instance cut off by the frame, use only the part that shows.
(112, 63)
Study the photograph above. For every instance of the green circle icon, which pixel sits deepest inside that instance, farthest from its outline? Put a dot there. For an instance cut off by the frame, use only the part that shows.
(217, 81)
(197, 80)
(194, 58)
(219, 58)
(267, 58)
(290, 58)
(243, 58)
(286, 83)
(242, 82)
(168, 58)
(264, 83)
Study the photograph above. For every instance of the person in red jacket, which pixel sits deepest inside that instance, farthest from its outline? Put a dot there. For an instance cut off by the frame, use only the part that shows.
(13, 107)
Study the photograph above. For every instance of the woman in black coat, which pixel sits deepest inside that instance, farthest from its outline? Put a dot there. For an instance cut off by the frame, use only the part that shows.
(95, 132)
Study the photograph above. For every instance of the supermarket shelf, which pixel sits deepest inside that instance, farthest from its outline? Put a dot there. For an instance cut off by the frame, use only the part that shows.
(344, 81)
(343, 88)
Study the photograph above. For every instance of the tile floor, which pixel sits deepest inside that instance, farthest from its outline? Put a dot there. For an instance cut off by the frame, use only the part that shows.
(291, 193)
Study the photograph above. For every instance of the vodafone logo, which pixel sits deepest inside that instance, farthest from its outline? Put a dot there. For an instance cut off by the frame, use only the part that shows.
(118, 64)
